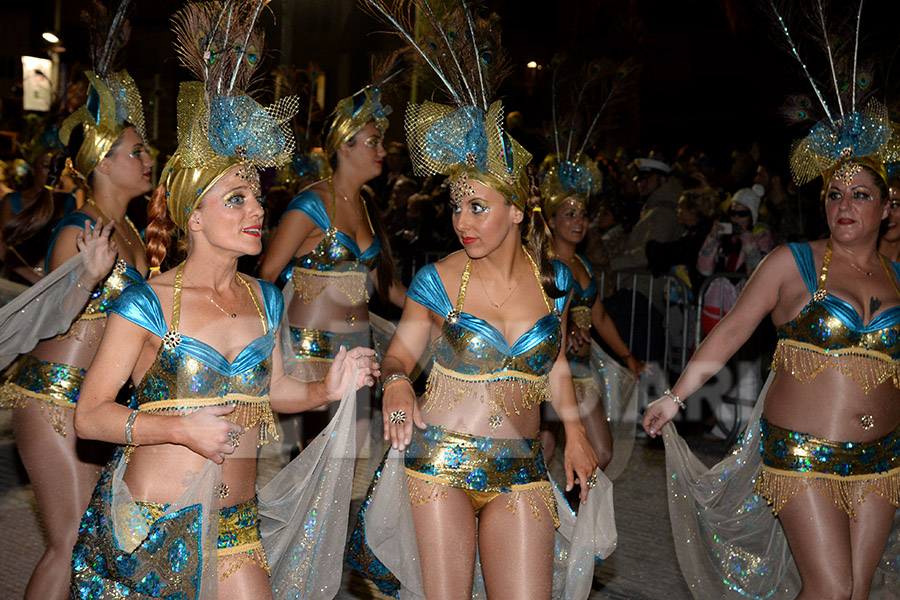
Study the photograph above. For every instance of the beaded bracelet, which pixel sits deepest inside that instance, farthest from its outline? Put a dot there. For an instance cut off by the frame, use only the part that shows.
(674, 397)
(81, 286)
(129, 425)
(394, 377)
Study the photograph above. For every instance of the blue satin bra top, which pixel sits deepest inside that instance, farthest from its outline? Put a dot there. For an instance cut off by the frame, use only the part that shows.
(472, 346)
(122, 276)
(829, 332)
(337, 251)
(588, 296)
(188, 374)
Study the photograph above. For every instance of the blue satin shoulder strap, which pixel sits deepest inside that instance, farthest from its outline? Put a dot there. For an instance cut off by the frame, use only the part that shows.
(803, 256)
(564, 283)
(70, 220)
(428, 290)
(310, 204)
(273, 302)
(139, 304)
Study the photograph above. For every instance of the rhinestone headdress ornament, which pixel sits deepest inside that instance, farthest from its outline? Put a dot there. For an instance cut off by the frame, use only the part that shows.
(465, 139)
(219, 126)
(596, 89)
(847, 137)
(113, 100)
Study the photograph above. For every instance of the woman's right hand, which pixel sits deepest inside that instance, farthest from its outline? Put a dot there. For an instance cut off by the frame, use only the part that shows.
(209, 435)
(399, 398)
(661, 411)
(98, 249)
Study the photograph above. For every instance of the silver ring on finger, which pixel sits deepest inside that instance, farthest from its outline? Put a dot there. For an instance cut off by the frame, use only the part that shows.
(592, 480)
(234, 438)
(398, 417)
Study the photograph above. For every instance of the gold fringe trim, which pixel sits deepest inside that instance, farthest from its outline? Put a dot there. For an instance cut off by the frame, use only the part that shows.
(232, 559)
(83, 330)
(778, 487)
(581, 316)
(311, 368)
(585, 389)
(423, 488)
(449, 387)
(249, 411)
(52, 409)
(544, 492)
(866, 367)
(351, 284)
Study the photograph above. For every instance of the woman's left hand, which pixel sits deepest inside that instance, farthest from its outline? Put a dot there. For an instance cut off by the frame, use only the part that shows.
(97, 248)
(576, 339)
(580, 461)
(340, 374)
(636, 366)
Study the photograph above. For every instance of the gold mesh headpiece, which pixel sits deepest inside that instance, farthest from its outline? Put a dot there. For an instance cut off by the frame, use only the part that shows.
(564, 180)
(453, 141)
(215, 136)
(111, 106)
(352, 114)
(865, 137)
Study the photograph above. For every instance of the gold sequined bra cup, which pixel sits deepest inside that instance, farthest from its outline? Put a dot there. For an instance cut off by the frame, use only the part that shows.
(829, 332)
(473, 360)
(337, 260)
(583, 300)
(188, 374)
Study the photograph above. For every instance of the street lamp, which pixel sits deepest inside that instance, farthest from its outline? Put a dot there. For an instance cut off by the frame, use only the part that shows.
(50, 37)
(532, 65)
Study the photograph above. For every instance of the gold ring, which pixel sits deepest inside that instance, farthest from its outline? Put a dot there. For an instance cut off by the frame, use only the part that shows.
(592, 480)
(398, 417)
(234, 438)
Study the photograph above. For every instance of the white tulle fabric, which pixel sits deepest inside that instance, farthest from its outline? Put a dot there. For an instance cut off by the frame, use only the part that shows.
(729, 544)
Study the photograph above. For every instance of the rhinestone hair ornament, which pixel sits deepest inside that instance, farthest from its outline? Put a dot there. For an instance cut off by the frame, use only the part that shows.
(113, 100)
(846, 134)
(219, 126)
(464, 140)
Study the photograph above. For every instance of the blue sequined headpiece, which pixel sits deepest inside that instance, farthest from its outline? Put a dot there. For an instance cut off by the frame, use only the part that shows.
(353, 113)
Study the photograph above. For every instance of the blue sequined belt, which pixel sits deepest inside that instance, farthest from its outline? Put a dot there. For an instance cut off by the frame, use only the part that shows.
(787, 450)
(238, 524)
(473, 462)
(50, 381)
(321, 344)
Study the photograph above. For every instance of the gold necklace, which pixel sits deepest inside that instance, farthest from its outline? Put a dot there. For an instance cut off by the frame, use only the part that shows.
(234, 314)
(127, 220)
(488, 296)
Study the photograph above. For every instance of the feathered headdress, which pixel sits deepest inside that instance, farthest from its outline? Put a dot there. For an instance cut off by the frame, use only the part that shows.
(354, 112)
(219, 125)
(465, 139)
(113, 100)
(846, 136)
(598, 86)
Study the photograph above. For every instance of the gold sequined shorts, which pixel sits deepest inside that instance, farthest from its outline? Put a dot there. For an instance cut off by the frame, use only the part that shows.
(483, 467)
(239, 540)
(56, 386)
(844, 472)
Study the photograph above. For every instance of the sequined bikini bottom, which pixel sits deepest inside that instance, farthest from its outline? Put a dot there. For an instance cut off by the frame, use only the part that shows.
(483, 467)
(844, 472)
(316, 348)
(55, 385)
(239, 541)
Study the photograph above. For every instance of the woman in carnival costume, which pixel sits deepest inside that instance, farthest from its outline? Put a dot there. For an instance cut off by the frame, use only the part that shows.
(27, 214)
(822, 450)
(465, 477)
(105, 141)
(335, 238)
(571, 179)
(199, 344)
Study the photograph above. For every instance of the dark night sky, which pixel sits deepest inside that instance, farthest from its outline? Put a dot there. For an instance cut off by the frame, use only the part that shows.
(712, 74)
